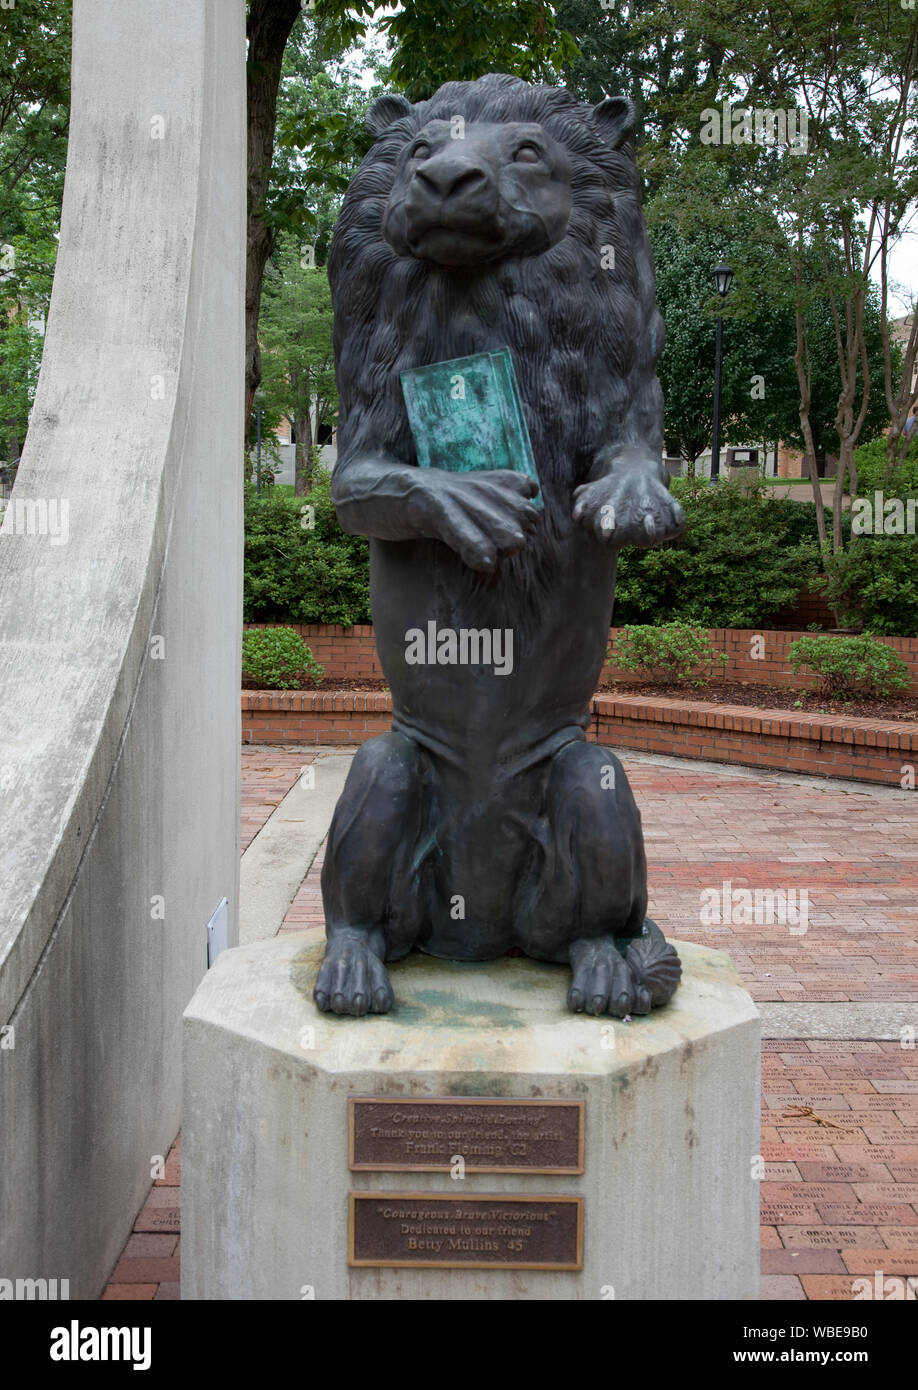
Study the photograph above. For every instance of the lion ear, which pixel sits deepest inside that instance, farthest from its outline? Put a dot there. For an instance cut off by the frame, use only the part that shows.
(614, 118)
(385, 111)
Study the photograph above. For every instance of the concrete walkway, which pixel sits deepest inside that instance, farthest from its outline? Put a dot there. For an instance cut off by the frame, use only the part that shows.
(837, 984)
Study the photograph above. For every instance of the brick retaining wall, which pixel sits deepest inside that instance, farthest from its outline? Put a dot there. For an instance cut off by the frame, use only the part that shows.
(829, 745)
(345, 652)
(349, 653)
(821, 745)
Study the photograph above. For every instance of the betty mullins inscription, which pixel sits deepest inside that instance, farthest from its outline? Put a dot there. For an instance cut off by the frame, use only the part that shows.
(491, 1135)
(444, 1231)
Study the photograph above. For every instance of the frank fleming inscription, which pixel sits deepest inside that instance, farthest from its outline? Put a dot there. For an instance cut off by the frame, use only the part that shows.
(490, 1135)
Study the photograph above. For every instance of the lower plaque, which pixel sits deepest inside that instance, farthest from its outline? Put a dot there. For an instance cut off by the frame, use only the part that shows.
(444, 1231)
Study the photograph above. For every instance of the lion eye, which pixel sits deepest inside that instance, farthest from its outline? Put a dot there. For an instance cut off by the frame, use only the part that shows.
(421, 150)
(527, 154)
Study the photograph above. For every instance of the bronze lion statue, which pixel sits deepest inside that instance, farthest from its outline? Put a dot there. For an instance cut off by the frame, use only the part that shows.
(496, 215)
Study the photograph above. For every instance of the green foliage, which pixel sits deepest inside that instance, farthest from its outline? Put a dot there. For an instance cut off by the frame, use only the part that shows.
(636, 49)
(320, 136)
(760, 394)
(278, 659)
(874, 585)
(297, 361)
(847, 666)
(741, 559)
(872, 475)
(675, 653)
(297, 572)
(440, 41)
(34, 102)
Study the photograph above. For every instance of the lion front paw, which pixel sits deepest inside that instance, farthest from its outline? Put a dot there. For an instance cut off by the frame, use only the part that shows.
(352, 978)
(631, 508)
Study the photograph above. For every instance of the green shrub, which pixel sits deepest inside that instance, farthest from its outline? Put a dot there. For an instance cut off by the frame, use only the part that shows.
(874, 585)
(741, 559)
(277, 658)
(870, 460)
(671, 654)
(299, 565)
(847, 666)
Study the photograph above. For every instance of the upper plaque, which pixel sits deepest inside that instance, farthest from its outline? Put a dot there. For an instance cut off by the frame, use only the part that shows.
(490, 1135)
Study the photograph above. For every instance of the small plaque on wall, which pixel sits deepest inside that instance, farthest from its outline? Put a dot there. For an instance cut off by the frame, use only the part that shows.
(387, 1135)
(446, 1231)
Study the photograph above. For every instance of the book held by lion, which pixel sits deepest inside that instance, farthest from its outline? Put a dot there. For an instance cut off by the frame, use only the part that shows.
(466, 415)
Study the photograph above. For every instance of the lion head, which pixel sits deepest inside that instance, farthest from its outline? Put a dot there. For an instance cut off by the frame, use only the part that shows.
(498, 213)
(466, 197)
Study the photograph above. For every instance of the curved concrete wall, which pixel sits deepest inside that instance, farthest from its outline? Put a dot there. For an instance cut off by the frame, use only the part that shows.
(118, 781)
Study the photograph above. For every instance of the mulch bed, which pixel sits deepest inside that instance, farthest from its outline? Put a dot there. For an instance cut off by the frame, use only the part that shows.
(772, 697)
(329, 684)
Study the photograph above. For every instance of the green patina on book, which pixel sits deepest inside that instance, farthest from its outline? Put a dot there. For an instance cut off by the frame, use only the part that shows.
(466, 415)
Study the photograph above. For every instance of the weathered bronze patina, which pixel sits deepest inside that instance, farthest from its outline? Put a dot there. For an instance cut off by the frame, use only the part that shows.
(497, 218)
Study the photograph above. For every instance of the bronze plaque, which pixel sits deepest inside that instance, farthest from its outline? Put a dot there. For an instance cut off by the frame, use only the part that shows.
(492, 1135)
(447, 1231)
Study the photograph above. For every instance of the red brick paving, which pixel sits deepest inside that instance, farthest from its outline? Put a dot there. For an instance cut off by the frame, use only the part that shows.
(149, 1263)
(866, 1206)
(267, 776)
(838, 1204)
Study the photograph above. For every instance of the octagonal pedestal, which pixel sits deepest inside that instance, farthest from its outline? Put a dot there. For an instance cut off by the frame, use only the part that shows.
(669, 1200)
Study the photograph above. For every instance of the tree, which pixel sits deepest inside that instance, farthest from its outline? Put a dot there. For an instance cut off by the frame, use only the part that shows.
(34, 108)
(437, 41)
(638, 51)
(272, 206)
(298, 358)
(840, 199)
(758, 394)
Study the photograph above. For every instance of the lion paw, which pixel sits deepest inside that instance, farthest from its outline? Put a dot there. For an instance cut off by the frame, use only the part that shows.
(352, 978)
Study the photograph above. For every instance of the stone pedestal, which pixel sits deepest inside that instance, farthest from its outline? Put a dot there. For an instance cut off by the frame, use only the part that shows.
(671, 1120)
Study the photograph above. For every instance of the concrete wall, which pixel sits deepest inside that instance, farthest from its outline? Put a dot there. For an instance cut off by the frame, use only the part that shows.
(119, 783)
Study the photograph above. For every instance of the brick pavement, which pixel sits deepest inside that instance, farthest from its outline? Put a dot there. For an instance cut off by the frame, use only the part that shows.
(840, 1187)
(267, 776)
(149, 1263)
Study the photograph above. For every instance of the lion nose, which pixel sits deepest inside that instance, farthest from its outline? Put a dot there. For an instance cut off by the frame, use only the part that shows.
(451, 174)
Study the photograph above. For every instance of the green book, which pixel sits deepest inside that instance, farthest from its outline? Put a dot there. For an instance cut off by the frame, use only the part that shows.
(466, 415)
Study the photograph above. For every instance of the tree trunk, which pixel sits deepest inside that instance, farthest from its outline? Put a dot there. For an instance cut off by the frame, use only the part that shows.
(303, 475)
(803, 383)
(268, 28)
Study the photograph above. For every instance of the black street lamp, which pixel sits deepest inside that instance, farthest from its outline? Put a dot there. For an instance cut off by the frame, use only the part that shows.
(723, 279)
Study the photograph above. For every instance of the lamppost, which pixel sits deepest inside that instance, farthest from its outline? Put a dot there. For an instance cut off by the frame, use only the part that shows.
(723, 279)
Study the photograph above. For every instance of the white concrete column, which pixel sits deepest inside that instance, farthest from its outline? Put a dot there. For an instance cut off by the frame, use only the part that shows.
(120, 612)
